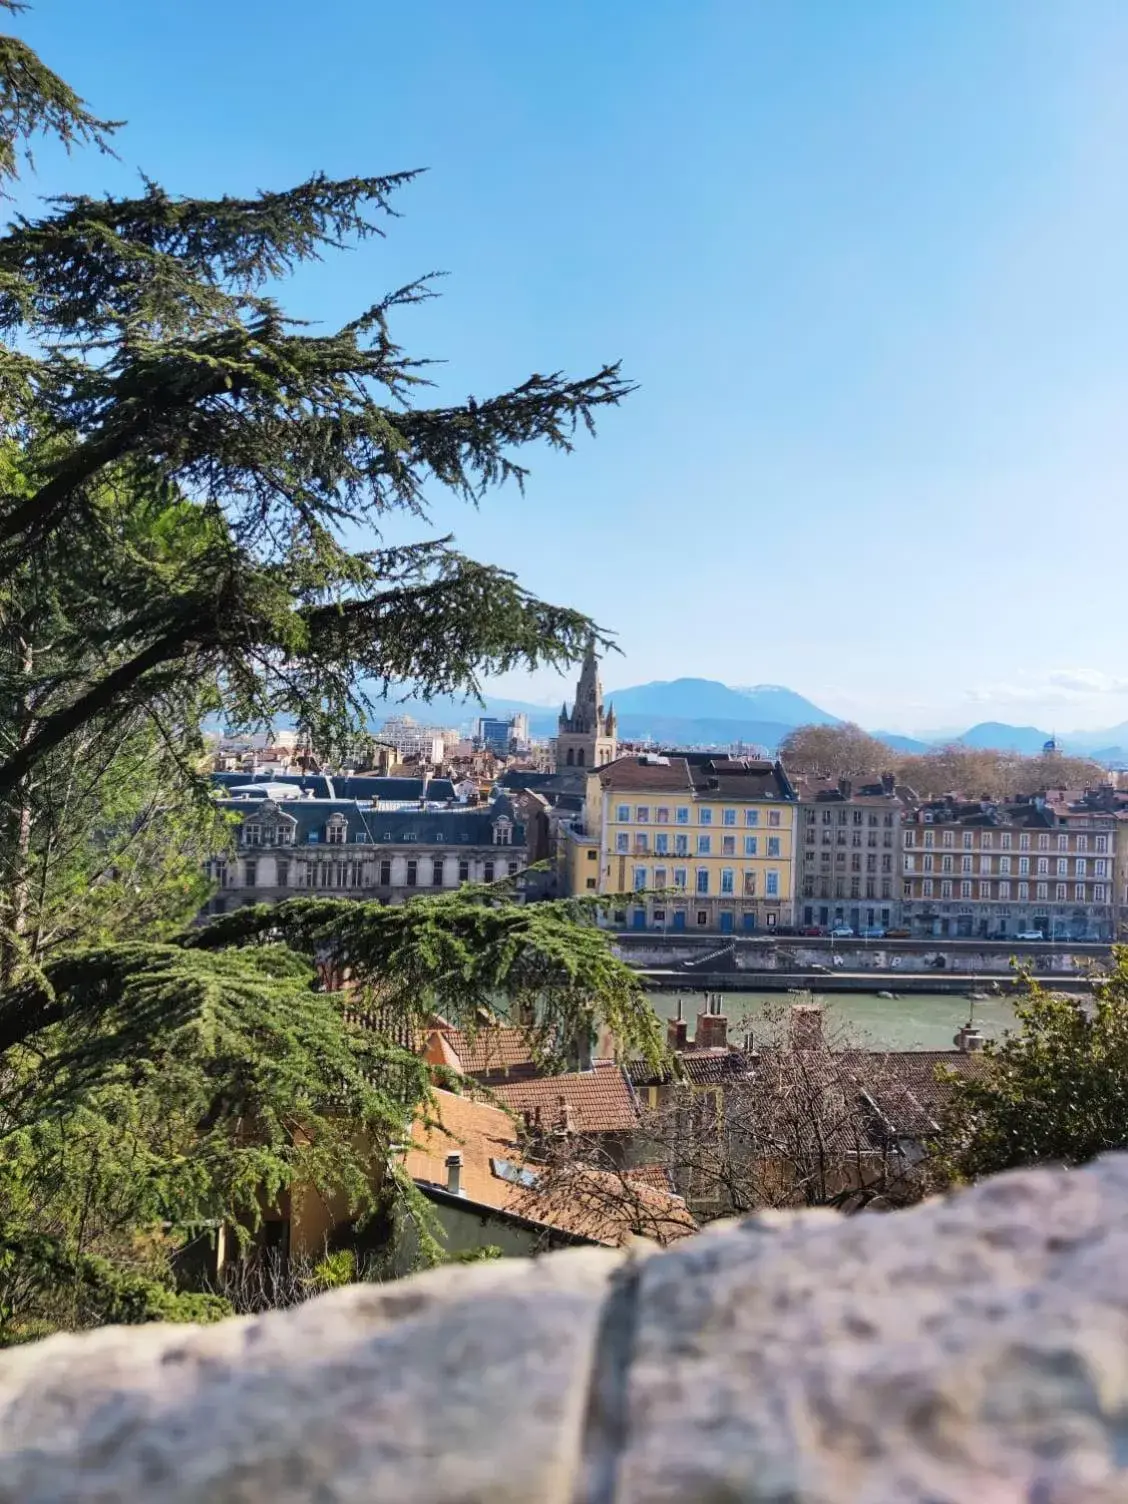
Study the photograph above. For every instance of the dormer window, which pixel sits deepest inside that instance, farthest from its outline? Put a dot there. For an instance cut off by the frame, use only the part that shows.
(252, 834)
(503, 831)
(336, 830)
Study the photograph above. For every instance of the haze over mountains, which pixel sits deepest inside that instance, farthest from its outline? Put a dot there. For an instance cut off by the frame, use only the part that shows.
(704, 711)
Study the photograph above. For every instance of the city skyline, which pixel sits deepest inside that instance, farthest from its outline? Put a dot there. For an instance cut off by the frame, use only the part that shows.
(863, 262)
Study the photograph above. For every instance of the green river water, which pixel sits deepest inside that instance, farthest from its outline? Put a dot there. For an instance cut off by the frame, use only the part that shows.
(920, 1021)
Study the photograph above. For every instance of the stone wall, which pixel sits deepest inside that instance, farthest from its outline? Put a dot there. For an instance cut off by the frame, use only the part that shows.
(970, 1351)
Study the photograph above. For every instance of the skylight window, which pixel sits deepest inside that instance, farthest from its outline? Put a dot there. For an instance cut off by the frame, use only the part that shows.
(506, 1170)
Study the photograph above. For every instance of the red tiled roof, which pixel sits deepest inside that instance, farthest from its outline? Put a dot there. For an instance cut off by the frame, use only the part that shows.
(634, 773)
(601, 1100)
(492, 1051)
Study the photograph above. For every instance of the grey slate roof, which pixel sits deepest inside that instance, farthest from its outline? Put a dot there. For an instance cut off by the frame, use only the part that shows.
(358, 786)
(440, 827)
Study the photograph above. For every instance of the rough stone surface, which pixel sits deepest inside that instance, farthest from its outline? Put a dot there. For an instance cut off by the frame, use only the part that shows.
(972, 1351)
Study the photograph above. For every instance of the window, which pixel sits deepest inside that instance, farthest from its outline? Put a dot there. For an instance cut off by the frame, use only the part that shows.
(856, 862)
(1099, 893)
(928, 838)
(1043, 890)
(1063, 843)
(702, 880)
(640, 879)
(704, 844)
(910, 838)
(660, 878)
(335, 832)
(703, 916)
(926, 888)
(623, 814)
(1023, 892)
(965, 863)
(750, 885)
(1079, 892)
(250, 874)
(464, 870)
(826, 817)
(728, 880)
(1004, 865)
(386, 874)
(513, 868)
(965, 890)
(413, 874)
(487, 871)
(662, 815)
(283, 874)
(706, 815)
(948, 838)
(1043, 843)
(771, 884)
(641, 844)
(680, 878)
(968, 840)
(661, 843)
(1062, 866)
(1023, 866)
(984, 864)
(728, 845)
(906, 890)
(1061, 892)
(681, 845)
(1043, 864)
(1100, 843)
(927, 863)
(1080, 866)
(728, 817)
(986, 841)
(945, 864)
(985, 890)
(773, 845)
(642, 813)
(252, 835)
(1081, 843)
(1024, 842)
(682, 815)
(1100, 867)
(1004, 890)
(773, 817)
(751, 846)
(622, 841)
(437, 873)
(946, 889)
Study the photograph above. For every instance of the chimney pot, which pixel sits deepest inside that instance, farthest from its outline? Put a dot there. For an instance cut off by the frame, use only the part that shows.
(454, 1174)
(968, 1039)
(677, 1033)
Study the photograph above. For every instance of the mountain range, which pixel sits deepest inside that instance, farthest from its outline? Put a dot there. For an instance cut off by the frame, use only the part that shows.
(706, 712)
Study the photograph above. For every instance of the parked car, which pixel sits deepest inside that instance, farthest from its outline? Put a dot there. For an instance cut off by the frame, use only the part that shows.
(812, 929)
(875, 932)
(898, 934)
(1030, 935)
(842, 932)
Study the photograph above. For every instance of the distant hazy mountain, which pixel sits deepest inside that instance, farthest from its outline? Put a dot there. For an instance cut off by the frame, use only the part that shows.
(707, 699)
(907, 744)
(998, 737)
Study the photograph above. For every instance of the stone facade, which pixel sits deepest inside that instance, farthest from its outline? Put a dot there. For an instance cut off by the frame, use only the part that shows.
(849, 854)
(587, 735)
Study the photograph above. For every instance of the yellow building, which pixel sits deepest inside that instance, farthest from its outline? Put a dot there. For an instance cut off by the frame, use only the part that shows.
(695, 843)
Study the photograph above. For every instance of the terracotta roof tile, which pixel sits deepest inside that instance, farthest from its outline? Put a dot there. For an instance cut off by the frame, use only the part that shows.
(588, 1203)
(601, 1100)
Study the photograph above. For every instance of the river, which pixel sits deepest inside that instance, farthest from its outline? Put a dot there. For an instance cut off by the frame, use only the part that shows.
(920, 1021)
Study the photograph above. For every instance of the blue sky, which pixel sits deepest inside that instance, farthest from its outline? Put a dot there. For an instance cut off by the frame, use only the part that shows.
(865, 259)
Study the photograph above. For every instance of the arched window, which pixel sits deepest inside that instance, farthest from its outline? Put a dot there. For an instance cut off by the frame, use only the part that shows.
(580, 758)
(571, 757)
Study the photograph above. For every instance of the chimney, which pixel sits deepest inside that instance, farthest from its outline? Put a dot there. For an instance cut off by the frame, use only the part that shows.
(566, 1120)
(454, 1174)
(968, 1040)
(845, 787)
(712, 1026)
(806, 1027)
(888, 783)
(677, 1031)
